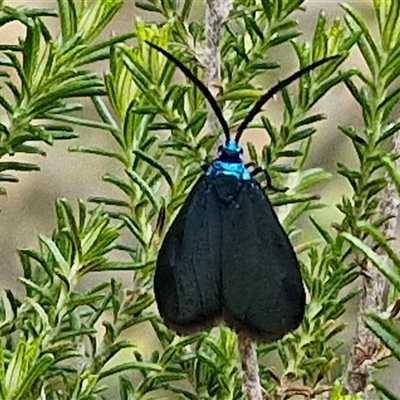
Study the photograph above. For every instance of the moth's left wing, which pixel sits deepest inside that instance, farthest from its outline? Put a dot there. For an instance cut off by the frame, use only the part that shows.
(187, 281)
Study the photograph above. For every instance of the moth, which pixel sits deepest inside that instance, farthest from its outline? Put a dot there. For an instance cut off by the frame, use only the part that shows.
(226, 256)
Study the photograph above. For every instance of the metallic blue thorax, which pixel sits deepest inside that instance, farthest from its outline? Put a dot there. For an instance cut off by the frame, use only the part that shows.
(229, 162)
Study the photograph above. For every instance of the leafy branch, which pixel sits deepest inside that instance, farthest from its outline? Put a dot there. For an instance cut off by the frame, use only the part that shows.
(42, 73)
(62, 341)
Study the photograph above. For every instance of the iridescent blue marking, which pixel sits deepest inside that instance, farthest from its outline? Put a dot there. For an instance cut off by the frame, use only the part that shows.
(229, 162)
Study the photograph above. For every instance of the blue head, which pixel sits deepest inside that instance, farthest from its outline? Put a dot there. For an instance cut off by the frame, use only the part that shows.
(229, 162)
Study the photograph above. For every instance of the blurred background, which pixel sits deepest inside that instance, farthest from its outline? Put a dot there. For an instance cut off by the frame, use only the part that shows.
(28, 208)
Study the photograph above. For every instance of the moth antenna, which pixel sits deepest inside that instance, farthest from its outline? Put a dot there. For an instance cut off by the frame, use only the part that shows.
(274, 90)
(203, 88)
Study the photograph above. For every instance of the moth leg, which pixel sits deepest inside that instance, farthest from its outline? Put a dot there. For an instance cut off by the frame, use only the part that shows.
(257, 171)
(268, 179)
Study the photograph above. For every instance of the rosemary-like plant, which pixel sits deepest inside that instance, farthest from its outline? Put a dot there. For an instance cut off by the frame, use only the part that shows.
(62, 341)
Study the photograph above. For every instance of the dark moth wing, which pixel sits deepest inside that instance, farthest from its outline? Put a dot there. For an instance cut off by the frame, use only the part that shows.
(226, 254)
(187, 281)
(262, 290)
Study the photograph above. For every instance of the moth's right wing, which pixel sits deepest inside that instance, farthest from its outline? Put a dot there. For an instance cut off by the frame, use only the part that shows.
(187, 281)
(262, 289)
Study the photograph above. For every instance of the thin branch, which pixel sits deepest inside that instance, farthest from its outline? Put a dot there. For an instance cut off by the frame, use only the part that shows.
(216, 14)
(251, 376)
(373, 296)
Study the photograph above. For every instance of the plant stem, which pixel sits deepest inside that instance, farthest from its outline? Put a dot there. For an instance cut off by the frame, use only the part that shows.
(373, 295)
(251, 377)
(361, 360)
(216, 14)
(374, 285)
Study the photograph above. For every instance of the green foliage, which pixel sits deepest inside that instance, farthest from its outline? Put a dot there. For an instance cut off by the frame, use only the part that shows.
(63, 342)
(337, 393)
(55, 317)
(377, 98)
(43, 72)
(152, 92)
